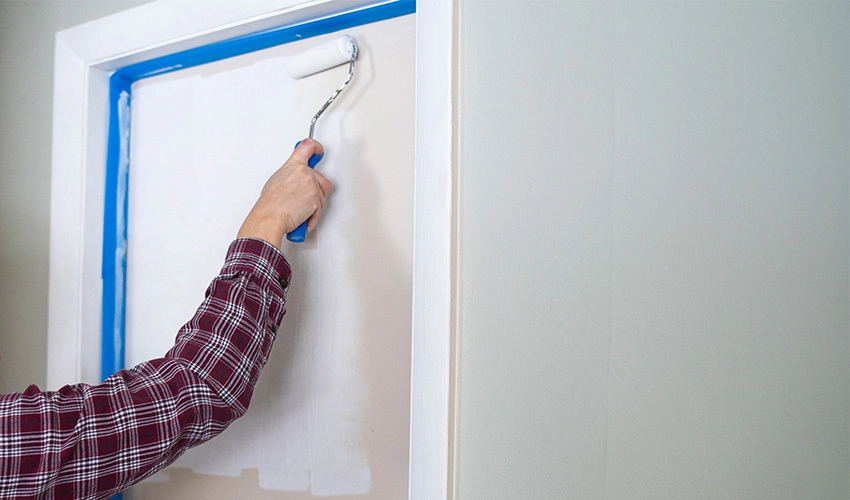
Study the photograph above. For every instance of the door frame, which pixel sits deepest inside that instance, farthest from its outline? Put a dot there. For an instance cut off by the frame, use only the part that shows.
(85, 58)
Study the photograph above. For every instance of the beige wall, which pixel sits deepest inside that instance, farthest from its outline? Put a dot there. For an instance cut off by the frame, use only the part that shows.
(653, 250)
(27, 31)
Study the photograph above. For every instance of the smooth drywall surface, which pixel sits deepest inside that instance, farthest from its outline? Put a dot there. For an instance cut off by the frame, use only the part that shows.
(27, 30)
(330, 414)
(653, 250)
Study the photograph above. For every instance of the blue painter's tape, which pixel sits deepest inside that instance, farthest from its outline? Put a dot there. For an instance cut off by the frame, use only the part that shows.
(114, 269)
(265, 39)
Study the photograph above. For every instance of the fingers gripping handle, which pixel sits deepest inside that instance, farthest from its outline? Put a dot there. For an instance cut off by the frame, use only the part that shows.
(298, 235)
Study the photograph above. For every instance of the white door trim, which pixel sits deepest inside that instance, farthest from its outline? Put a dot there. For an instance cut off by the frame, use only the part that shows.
(86, 56)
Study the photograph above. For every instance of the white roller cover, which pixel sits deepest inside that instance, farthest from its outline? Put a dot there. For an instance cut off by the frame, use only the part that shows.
(321, 57)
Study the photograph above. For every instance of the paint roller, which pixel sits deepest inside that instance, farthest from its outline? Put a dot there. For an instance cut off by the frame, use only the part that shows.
(322, 57)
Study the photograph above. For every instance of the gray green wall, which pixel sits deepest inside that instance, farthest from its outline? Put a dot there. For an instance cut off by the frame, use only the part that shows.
(27, 30)
(653, 250)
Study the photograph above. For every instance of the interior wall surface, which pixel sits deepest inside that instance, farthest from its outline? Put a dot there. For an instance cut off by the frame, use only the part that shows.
(653, 250)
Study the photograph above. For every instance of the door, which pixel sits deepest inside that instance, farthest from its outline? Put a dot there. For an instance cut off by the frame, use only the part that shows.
(330, 414)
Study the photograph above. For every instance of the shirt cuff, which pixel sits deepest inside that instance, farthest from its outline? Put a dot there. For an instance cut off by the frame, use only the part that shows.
(260, 257)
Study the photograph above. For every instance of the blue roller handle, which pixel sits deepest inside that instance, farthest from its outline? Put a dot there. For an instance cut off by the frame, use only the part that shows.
(298, 235)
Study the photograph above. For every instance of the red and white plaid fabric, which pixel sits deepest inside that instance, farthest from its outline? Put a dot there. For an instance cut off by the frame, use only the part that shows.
(88, 441)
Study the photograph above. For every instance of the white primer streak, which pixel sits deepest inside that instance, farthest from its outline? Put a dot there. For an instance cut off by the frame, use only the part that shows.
(313, 435)
(121, 223)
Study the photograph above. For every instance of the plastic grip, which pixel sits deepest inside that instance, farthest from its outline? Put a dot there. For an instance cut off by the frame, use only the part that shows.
(298, 235)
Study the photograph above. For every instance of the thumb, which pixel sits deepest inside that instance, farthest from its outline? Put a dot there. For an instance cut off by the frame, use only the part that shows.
(306, 149)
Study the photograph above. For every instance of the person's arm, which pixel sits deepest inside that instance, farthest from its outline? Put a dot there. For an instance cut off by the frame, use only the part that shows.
(93, 441)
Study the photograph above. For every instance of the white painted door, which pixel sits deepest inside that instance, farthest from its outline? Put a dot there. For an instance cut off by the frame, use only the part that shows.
(331, 412)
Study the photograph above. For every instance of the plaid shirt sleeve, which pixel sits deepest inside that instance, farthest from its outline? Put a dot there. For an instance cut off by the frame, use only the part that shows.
(92, 441)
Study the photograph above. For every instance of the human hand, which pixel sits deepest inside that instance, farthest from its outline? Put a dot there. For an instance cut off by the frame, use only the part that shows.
(293, 194)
